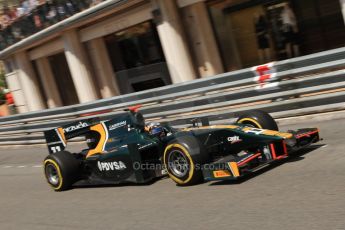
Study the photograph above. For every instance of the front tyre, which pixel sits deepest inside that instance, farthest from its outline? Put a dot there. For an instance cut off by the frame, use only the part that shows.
(258, 119)
(61, 170)
(183, 158)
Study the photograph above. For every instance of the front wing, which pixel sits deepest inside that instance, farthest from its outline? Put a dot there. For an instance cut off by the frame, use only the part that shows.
(229, 168)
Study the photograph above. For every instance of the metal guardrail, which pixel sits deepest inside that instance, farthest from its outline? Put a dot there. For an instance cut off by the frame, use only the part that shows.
(303, 85)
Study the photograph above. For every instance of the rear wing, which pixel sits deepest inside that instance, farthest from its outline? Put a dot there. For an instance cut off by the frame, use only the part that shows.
(56, 139)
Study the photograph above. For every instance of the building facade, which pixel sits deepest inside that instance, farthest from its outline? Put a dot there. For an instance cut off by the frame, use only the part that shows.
(118, 47)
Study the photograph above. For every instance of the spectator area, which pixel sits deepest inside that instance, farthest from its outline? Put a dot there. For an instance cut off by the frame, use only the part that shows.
(30, 16)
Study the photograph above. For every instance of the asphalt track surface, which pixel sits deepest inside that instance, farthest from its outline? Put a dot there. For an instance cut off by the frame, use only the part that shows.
(306, 192)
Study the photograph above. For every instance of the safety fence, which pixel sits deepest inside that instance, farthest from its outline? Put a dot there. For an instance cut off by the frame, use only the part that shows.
(299, 86)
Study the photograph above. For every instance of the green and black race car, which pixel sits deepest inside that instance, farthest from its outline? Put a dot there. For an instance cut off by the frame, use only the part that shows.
(126, 149)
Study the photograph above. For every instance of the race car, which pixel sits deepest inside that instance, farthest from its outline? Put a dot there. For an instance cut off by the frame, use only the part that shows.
(125, 149)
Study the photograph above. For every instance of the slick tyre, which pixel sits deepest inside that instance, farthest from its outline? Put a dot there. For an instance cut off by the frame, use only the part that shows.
(61, 170)
(183, 159)
(258, 119)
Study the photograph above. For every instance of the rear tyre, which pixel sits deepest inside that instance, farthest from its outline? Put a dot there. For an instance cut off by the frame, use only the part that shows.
(61, 170)
(183, 158)
(258, 119)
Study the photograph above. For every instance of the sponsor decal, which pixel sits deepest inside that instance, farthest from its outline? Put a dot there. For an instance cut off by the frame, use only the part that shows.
(266, 132)
(221, 173)
(75, 127)
(234, 139)
(253, 130)
(111, 166)
(264, 74)
(117, 125)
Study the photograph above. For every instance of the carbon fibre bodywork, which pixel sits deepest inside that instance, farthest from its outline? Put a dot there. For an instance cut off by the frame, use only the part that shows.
(125, 152)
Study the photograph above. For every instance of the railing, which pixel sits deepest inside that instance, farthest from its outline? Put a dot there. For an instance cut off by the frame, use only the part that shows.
(303, 85)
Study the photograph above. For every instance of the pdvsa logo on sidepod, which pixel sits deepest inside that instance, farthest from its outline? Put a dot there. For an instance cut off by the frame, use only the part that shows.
(111, 166)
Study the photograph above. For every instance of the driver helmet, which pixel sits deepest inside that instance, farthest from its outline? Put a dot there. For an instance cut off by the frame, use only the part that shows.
(155, 129)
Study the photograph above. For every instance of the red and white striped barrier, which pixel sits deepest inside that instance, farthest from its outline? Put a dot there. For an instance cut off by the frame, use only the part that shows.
(264, 74)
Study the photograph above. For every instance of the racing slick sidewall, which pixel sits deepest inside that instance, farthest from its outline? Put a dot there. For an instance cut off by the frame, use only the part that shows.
(52, 163)
(191, 166)
(67, 169)
(189, 147)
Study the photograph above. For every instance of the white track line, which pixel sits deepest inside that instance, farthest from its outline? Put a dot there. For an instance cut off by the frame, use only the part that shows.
(7, 166)
(21, 166)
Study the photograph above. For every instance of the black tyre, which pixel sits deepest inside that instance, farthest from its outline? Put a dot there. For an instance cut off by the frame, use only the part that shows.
(61, 170)
(183, 158)
(258, 119)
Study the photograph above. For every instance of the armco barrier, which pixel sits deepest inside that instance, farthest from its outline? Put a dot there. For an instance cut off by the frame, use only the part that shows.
(303, 85)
